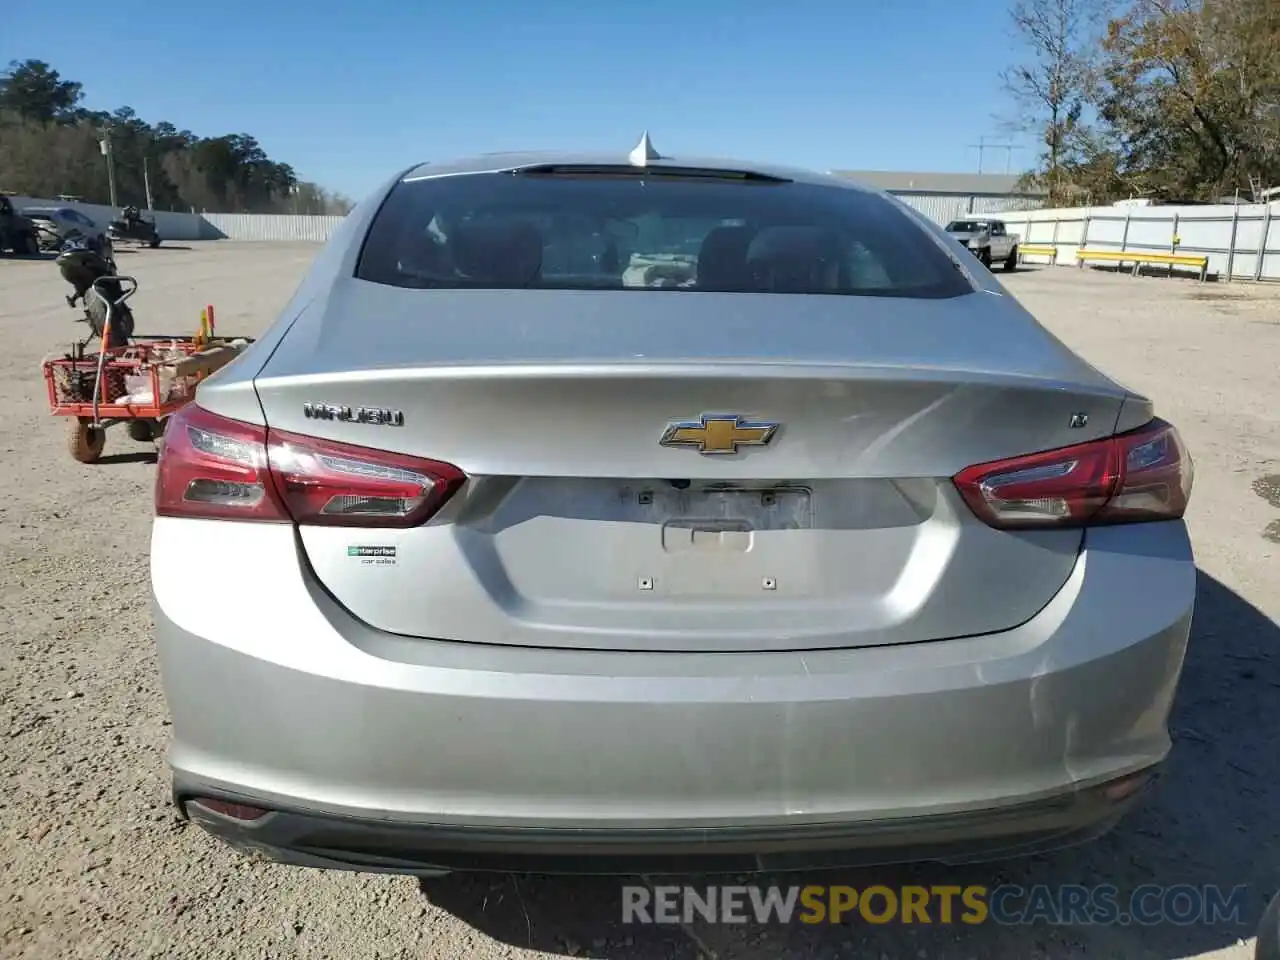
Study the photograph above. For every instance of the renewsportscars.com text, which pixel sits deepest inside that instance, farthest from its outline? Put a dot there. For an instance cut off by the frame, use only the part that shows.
(1065, 905)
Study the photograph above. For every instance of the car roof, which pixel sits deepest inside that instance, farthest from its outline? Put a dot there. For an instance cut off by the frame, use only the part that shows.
(500, 162)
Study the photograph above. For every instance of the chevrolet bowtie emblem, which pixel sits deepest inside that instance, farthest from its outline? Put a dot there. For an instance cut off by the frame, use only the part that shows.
(718, 433)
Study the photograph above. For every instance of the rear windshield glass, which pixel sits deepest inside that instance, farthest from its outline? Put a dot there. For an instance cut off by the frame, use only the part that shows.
(626, 232)
(968, 226)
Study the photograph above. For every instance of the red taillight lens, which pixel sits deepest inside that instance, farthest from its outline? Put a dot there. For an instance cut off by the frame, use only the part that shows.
(1130, 478)
(217, 468)
(338, 485)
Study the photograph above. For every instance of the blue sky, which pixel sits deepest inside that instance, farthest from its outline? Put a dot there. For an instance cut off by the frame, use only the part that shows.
(349, 92)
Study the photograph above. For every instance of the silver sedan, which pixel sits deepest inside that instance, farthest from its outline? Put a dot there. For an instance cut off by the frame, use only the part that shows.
(628, 512)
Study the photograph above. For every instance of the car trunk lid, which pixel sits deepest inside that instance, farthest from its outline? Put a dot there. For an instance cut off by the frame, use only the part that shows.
(578, 527)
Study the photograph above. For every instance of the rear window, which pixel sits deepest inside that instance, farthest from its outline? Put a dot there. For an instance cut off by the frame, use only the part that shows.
(628, 232)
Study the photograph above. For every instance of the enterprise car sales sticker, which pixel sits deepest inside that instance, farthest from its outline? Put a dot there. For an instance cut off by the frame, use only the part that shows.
(373, 555)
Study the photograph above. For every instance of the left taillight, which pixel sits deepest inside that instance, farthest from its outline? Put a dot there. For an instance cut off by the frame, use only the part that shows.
(1132, 477)
(213, 467)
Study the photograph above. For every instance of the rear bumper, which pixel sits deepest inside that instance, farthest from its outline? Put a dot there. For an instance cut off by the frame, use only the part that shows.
(435, 754)
(350, 843)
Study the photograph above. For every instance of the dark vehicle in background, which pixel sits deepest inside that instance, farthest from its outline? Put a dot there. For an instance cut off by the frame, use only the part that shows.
(134, 228)
(18, 234)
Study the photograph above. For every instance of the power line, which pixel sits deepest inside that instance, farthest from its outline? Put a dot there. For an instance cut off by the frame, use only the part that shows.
(982, 146)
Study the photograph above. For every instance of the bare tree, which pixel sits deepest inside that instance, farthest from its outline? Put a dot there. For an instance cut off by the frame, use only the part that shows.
(1051, 85)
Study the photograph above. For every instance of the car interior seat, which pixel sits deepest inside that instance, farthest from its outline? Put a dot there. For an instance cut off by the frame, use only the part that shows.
(506, 253)
(796, 259)
(722, 259)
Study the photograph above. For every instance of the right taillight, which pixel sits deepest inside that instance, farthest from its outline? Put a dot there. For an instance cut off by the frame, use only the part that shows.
(1130, 478)
(213, 467)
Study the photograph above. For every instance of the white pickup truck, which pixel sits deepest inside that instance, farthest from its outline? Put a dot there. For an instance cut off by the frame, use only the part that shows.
(987, 239)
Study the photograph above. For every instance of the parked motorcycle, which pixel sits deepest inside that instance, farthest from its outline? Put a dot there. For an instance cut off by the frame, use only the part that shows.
(89, 266)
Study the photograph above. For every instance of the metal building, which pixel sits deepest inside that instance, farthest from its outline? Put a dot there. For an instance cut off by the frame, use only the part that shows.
(946, 196)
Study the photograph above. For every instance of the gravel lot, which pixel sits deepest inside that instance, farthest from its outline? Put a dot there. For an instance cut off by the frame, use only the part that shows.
(95, 864)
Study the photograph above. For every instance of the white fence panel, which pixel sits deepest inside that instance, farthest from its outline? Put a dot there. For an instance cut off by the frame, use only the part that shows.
(1105, 232)
(1249, 233)
(1241, 241)
(1148, 234)
(264, 226)
(1271, 256)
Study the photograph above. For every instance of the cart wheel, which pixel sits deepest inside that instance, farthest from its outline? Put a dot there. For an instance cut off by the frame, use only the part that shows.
(143, 430)
(86, 441)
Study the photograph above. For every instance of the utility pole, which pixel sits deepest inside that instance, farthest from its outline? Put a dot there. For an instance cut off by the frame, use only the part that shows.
(146, 181)
(105, 145)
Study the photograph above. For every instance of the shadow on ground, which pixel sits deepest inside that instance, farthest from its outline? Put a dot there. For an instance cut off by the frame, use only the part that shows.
(137, 456)
(1154, 271)
(40, 257)
(1212, 821)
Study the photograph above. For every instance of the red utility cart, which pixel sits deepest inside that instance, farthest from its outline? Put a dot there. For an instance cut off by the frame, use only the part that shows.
(140, 385)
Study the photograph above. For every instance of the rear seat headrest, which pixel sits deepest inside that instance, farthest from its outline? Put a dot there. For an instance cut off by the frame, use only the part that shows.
(722, 258)
(797, 258)
(505, 251)
(793, 242)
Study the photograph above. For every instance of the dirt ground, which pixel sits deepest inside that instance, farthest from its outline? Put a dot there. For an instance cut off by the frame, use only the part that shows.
(95, 865)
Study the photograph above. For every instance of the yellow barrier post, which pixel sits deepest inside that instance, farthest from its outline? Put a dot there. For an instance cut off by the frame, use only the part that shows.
(1121, 257)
